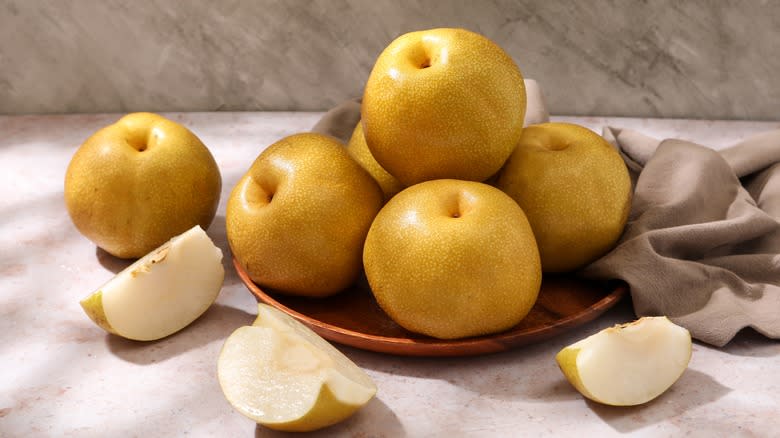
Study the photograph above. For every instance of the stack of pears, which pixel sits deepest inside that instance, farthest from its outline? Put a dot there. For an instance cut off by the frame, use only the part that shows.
(448, 204)
(445, 253)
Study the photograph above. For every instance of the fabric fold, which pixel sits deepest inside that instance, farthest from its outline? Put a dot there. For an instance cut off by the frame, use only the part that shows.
(699, 247)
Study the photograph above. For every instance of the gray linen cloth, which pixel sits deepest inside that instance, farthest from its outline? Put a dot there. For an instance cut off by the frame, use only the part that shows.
(702, 241)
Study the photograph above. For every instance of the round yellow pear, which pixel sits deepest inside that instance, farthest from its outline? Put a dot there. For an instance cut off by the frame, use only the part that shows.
(297, 220)
(443, 103)
(135, 184)
(575, 189)
(358, 150)
(452, 259)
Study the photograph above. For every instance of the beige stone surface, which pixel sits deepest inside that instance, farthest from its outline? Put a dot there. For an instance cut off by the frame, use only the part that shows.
(62, 376)
(694, 59)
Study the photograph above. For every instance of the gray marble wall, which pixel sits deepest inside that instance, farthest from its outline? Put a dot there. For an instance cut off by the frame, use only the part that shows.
(664, 58)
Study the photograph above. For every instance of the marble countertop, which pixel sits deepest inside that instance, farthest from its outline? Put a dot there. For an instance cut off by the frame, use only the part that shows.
(63, 376)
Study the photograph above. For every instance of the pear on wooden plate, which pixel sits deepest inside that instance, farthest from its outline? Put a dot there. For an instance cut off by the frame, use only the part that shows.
(284, 376)
(628, 364)
(162, 292)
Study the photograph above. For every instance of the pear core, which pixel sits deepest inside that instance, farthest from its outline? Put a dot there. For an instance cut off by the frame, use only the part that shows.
(282, 375)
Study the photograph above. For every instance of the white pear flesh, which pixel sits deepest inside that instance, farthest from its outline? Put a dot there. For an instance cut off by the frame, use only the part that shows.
(628, 364)
(284, 376)
(162, 292)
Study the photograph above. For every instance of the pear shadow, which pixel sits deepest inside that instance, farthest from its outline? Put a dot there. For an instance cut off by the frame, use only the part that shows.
(693, 390)
(492, 375)
(218, 233)
(528, 372)
(111, 262)
(541, 380)
(217, 323)
(373, 419)
(750, 343)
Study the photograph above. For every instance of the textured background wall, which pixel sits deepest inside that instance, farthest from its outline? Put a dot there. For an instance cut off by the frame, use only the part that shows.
(697, 59)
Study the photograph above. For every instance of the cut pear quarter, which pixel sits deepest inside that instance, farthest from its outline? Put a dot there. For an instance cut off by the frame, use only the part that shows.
(628, 364)
(284, 376)
(162, 292)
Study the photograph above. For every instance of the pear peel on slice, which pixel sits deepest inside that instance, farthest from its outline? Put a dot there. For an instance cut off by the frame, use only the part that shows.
(162, 292)
(628, 364)
(284, 376)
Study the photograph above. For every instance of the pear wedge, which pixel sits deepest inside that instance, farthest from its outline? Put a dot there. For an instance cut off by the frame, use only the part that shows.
(162, 292)
(284, 376)
(628, 364)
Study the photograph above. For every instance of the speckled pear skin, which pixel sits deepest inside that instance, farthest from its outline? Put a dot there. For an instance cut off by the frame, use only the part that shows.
(297, 220)
(358, 149)
(443, 103)
(135, 184)
(575, 189)
(452, 259)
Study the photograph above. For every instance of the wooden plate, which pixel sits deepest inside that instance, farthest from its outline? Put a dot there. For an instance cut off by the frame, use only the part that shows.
(354, 318)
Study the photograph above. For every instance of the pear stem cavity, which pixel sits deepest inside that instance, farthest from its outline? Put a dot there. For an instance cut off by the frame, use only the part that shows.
(258, 195)
(140, 146)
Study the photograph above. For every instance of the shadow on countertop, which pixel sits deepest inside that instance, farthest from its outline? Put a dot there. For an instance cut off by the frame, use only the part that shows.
(693, 390)
(216, 232)
(375, 416)
(217, 323)
(528, 372)
(750, 343)
(110, 262)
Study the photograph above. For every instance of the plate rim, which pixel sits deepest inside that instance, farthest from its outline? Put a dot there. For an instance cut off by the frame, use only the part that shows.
(432, 347)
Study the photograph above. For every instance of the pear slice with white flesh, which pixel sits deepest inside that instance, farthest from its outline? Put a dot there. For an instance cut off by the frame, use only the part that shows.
(284, 376)
(162, 292)
(628, 364)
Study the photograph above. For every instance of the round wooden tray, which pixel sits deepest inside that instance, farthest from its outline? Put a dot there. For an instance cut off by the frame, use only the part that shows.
(354, 318)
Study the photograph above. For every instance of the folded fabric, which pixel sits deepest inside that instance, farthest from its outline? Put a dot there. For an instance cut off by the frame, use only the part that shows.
(702, 244)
